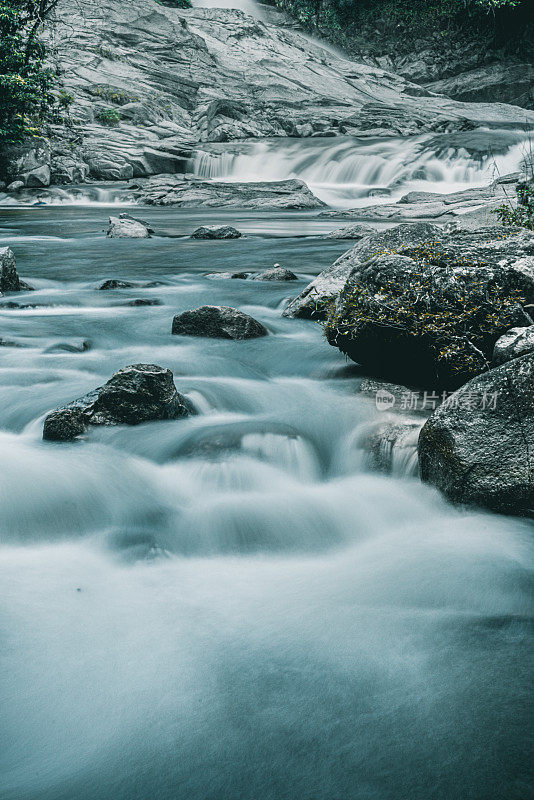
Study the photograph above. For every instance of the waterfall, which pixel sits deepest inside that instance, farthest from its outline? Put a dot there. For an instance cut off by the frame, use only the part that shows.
(345, 171)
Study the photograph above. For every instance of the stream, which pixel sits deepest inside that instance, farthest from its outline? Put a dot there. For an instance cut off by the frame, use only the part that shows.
(232, 606)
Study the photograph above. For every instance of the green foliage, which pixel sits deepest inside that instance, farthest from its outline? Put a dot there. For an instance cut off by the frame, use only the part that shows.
(113, 95)
(356, 22)
(25, 81)
(108, 116)
(521, 215)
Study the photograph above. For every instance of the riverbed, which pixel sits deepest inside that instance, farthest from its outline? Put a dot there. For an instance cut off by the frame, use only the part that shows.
(233, 606)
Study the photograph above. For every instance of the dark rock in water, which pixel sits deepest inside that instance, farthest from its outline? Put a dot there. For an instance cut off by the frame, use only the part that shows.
(275, 274)
(216, 232)
(217, 322)
(477, 446)
(515, 343)
(116, 284)
(324, 289)
(69, 347)
(431, 314)
(135, 394)
(9, 278)
(143, 301)
(242, 276)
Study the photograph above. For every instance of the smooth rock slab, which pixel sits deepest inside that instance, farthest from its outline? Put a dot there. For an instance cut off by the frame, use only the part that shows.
(127, 229)
(217, 322)
(9, 278)
(515, 343)
(216, 232)
(135, 394)
(356, 231)
(478, 446)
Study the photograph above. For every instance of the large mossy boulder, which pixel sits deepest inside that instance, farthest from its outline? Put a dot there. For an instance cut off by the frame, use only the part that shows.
(315, 299)
(478, 446)
(217, 322)
(135, 394)
(430, 315)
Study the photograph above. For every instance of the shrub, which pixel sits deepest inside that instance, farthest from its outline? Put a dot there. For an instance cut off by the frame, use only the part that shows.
(108, 116)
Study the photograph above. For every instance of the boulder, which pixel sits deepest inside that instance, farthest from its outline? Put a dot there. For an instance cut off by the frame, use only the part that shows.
(217, 322)
(314, 299)
(129, 217)
(242, 276)
(127, 229)
(431, 314)
(9, 278)
(135, 394)
(477, 446)
(275, 273)
(15, 186)
(515, 343)
(116, 284)
(143, 301)
(356, 231)
(216, 232)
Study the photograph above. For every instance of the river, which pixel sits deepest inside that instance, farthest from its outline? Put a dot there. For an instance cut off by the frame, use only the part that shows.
(232, 606)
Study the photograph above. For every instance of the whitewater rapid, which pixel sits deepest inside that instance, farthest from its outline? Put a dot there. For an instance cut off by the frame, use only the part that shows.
(234, 606)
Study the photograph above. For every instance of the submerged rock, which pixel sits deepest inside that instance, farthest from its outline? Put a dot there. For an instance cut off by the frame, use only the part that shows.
(217, 322)
(477, 446)
(216, 232)
(127, 229)
(135, 394)
(9, 277)
(515, 343)
(311, 302)
(432, 313)
(143, 301)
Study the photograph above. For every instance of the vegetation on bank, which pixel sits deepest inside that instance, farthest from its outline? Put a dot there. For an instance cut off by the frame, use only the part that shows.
(362, 24)
(26, 81)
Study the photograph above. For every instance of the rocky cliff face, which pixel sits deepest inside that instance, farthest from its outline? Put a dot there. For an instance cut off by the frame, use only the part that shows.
(151, 82)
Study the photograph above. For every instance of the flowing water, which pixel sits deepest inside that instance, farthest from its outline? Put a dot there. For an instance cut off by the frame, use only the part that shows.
(347, 171)
(231, 606)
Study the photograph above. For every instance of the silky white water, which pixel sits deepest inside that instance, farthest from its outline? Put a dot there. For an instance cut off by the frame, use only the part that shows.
(232, 606)
(348, 172)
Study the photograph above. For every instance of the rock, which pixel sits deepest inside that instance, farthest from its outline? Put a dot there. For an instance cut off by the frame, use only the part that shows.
(242, 276)
(503, 83)
(173, 190)
(515, 343)
(431, 314)
(9, 278)
(356, 231)
(216, 232)
(126, 229)
(69, 347)
(27, 163)
(324, 289)
(116, 284)
(477, 446)
(135, 394)
(15, 186)
(143, 301)
(276, 273)
(129, 217)
(219, 322)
